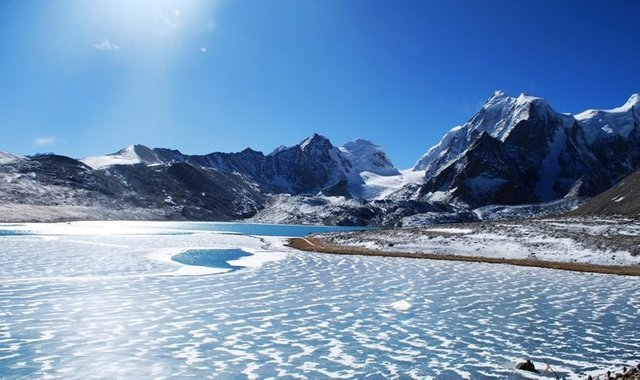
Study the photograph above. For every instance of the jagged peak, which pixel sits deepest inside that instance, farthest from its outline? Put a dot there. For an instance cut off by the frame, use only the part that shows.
(315, 139)
(142, 149)
(248, 150)
(498, 97)
(360, 143)
(126, 149)
(634, 100)
(526, 98)
(279, 149)
(498, 94)
(130, 150)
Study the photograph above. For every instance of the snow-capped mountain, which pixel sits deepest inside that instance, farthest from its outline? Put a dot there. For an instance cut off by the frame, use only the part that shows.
(514, 151)
(519, 150)
(366, 156)
(607, 124)
(497, 118)
(312, 166)
(51, 187)
(132, 154)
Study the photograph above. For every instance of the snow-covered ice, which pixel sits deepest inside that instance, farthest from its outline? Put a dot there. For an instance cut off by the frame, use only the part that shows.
(87, 300)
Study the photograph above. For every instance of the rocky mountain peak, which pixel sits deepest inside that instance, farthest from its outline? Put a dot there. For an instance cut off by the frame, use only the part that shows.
(315, 141)
(633, 101)
(498, 118)
(367, 156)
(535, 152)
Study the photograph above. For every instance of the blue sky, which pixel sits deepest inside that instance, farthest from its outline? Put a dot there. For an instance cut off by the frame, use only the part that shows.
(87, 77)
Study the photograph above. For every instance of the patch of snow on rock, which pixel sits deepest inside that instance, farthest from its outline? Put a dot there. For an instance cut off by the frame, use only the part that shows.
(126, 156)
(7, 158)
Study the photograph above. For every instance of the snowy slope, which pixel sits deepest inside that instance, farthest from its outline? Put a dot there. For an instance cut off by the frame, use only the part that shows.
(126, 156)
(378, 186)
(135, 154)
(605, 124)
(371, 174)
(366, 156)
(6, 158)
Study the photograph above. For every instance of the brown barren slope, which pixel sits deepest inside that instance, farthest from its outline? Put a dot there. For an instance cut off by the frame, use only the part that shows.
(621, 199)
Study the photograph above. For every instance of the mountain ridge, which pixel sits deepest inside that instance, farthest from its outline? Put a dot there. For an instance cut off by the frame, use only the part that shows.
(309, 167)
(514, 151)
(543, 155)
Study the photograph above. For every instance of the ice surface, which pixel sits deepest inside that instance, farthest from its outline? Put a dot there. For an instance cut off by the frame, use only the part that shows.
(401, 305)
(98, 305)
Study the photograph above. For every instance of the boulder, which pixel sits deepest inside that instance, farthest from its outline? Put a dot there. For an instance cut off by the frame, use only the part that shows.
(527, 366)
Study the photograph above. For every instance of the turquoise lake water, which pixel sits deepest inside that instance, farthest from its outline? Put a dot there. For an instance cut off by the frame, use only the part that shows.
(214, 258)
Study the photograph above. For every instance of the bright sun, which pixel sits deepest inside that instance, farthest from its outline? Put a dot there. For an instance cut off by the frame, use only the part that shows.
(139, 24)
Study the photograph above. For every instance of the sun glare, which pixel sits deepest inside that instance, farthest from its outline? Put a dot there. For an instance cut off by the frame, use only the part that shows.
(141, 25)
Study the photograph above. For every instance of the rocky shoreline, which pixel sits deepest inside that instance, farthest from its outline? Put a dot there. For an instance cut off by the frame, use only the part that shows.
(580, 245)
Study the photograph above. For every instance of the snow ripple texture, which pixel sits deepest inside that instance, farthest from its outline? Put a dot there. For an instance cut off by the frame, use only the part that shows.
(97, 307)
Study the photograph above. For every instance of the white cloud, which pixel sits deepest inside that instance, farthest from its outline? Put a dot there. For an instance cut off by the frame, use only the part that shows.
(106, 45)
(209, 27)
(169, 23)
(45, 141)
(203, 49)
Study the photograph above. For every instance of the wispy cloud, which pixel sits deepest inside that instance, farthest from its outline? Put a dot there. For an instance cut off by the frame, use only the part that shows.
(169, 22)
(209, 27)
(203, 49)
(45, 141)
(106, 45)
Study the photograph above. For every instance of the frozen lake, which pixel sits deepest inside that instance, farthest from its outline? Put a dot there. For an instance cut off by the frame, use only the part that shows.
(107, 299)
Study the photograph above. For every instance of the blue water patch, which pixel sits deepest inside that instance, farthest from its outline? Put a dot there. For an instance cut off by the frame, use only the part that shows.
(14, 233)
(213, 258)
(264, 229)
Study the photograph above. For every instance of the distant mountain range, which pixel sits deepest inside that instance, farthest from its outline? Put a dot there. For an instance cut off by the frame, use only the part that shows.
(514, 151)
(314, 165)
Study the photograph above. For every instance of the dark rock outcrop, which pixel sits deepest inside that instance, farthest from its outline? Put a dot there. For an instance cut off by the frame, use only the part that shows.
(527, 366)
